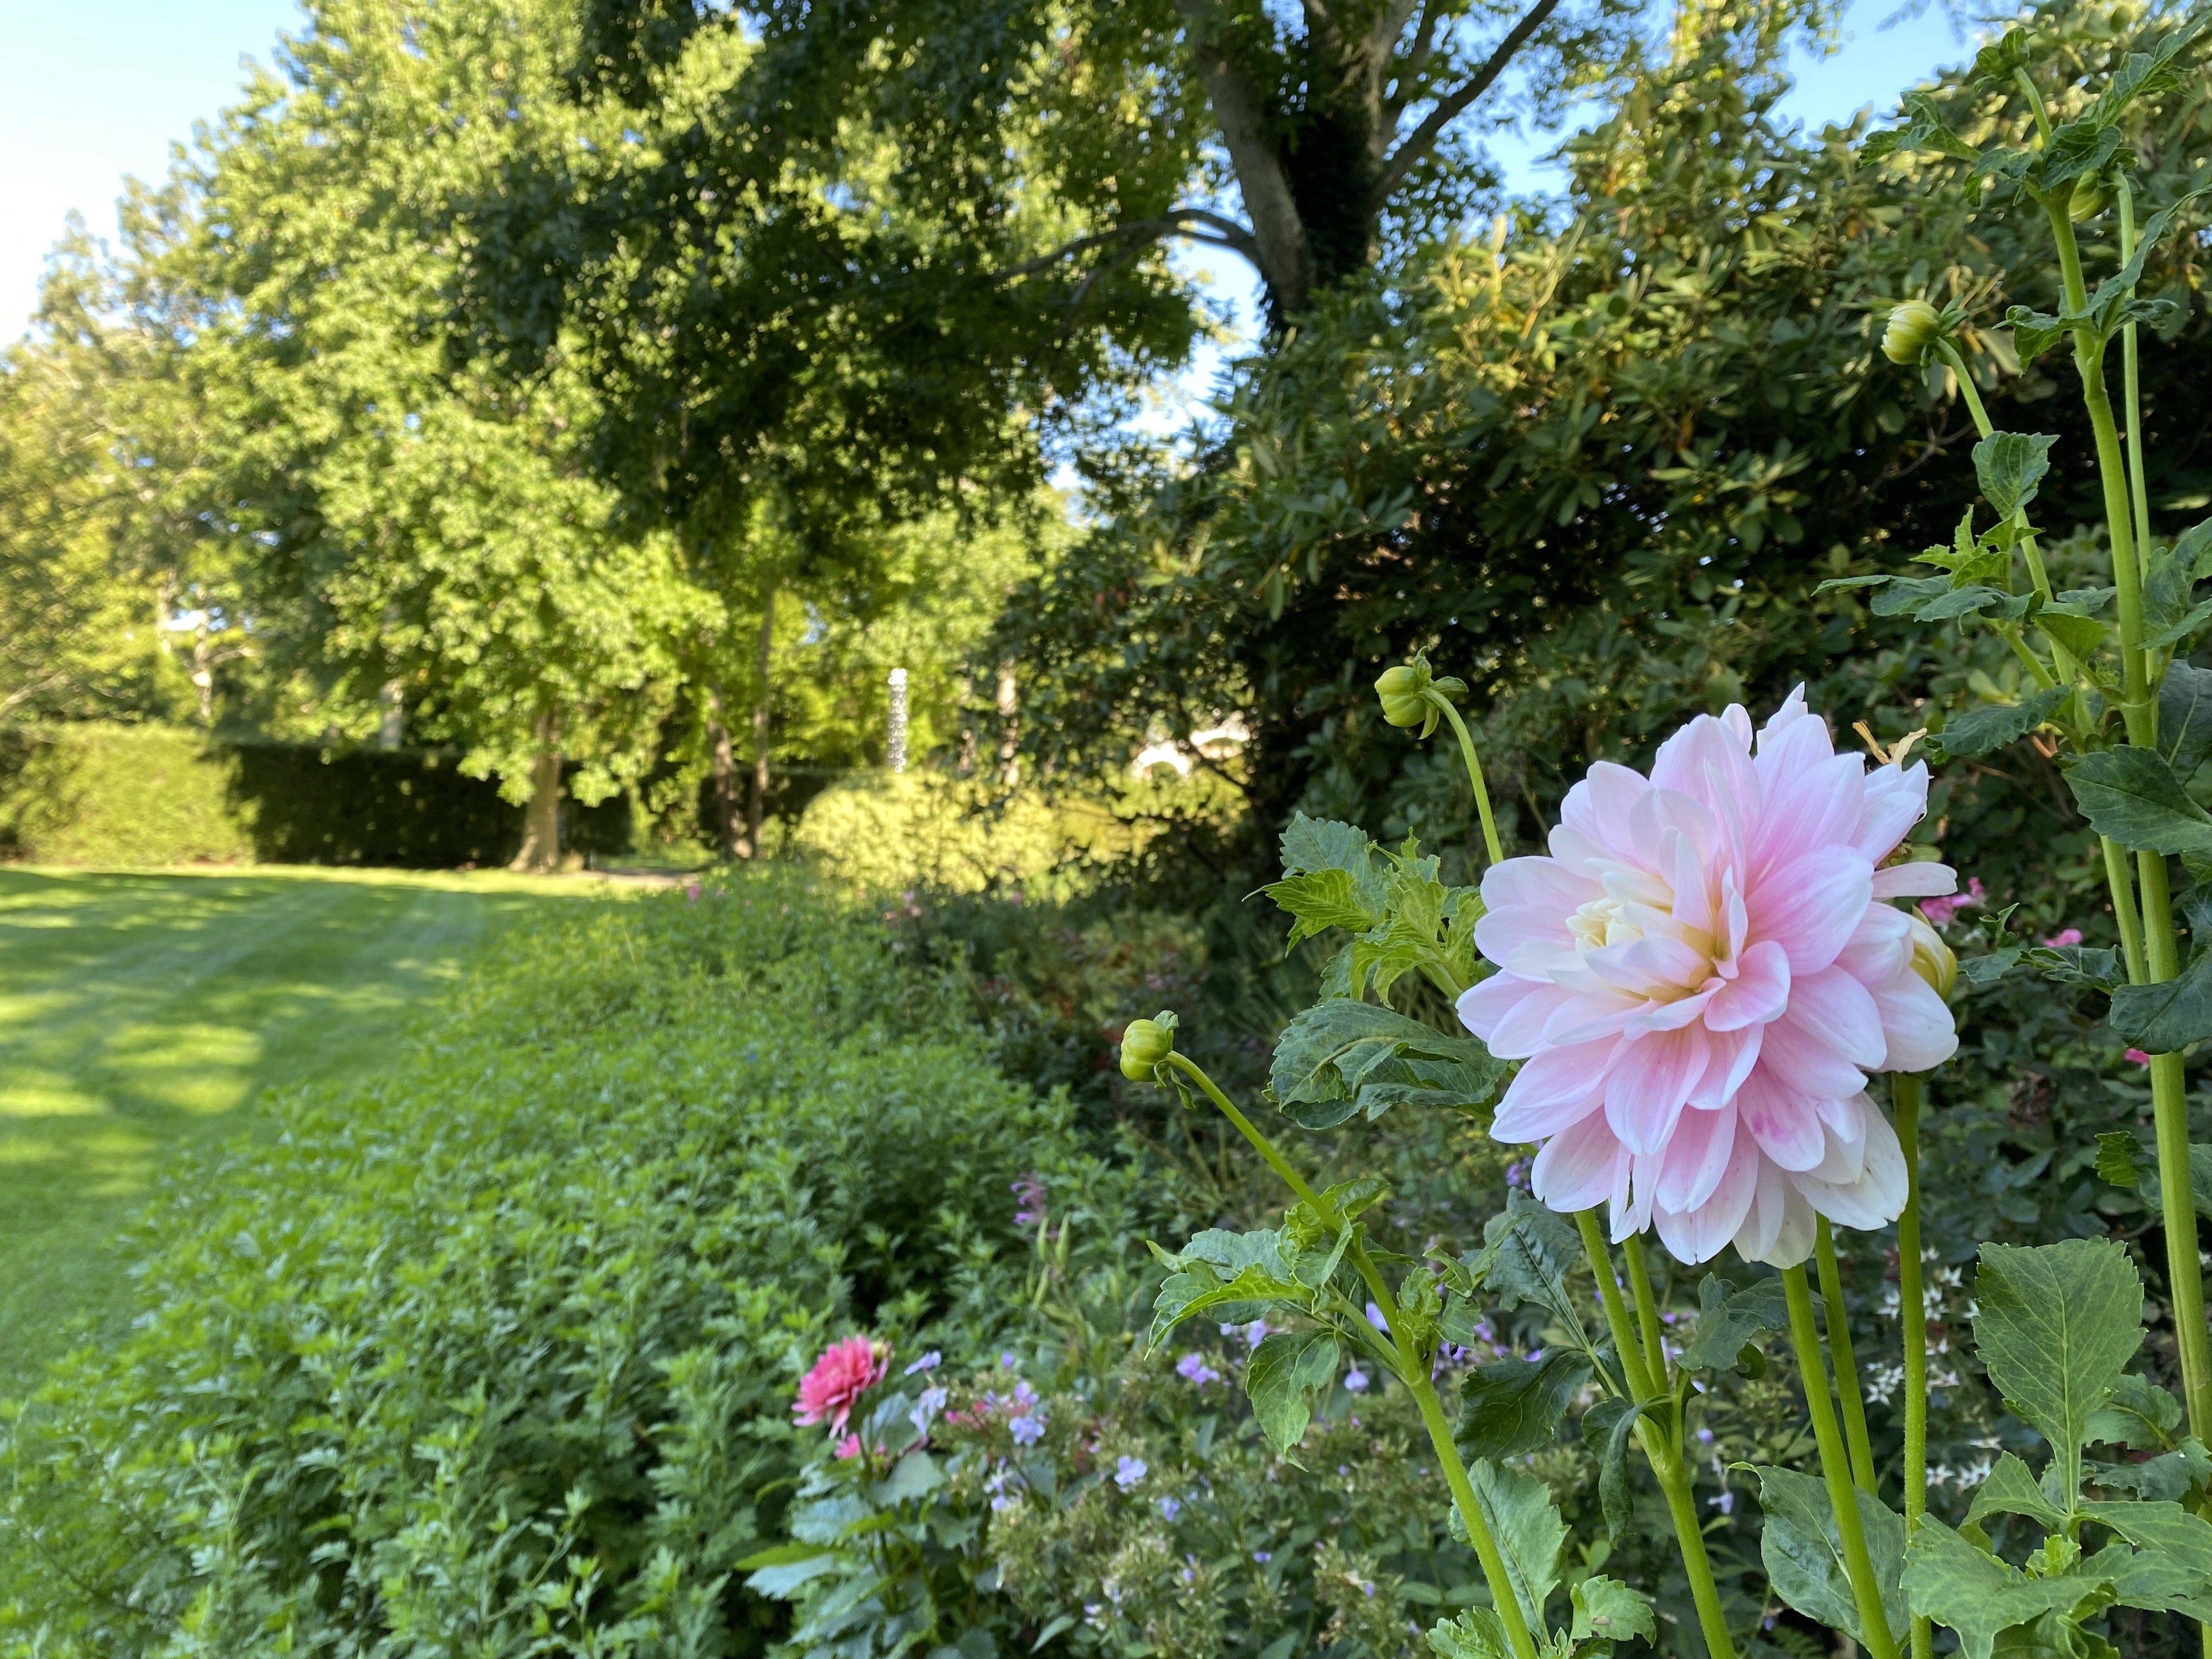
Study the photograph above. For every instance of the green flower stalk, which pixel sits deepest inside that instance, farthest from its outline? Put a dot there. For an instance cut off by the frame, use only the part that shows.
(1412, 695)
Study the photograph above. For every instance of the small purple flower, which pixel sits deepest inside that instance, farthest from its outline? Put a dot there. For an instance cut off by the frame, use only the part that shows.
(1007, 1361)
(1375, 1317)
(1356, 1380)
(1255, 1333)
(1192, 1368)
(1171, 1507)
(926, 1410)
(1725, 1502)
(1127, 1471)
(1028, 1192)
(928, 1362)
(1029, 1430)
(1705, 1438)
(1517, 1174)
(1263, 1556)
(1025, 1396)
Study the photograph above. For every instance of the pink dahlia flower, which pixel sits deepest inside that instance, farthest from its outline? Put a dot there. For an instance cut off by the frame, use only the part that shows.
(1699, 978)
(845, 1370)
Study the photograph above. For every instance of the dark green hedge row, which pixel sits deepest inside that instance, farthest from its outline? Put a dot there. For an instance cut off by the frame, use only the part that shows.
(95, 792)
(493, 1354)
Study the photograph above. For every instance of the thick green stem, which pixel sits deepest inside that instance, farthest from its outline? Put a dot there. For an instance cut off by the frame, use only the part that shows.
(2121, 883)
(1647, 1312)
(2169, 1101)
(1663, 1447)
(2033, 555)
(1843, 1496)
(1912, 1318)
(1413, 1368)
(1839, 1345)
(2130, 380)
(1490, 841)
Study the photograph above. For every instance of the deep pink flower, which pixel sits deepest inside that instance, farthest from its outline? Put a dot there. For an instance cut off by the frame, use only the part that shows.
(2136, 1055)
(845, 1370)
(1699, 978)
(1940, 909)
(2064, 937)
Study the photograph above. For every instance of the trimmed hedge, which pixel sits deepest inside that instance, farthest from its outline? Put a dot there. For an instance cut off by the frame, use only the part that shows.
(493, 1354)
(100, 792)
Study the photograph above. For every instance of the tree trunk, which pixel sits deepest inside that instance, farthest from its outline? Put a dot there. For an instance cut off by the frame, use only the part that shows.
(541, 819)
(1010, 765)
(391, 714)
(204, 674)
(757, 805)
(722, 783)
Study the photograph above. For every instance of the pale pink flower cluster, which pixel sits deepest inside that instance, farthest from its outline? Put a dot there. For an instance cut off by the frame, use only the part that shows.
(1699, 978)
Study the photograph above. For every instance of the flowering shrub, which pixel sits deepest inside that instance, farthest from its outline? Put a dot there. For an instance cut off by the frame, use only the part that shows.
(1695, 986)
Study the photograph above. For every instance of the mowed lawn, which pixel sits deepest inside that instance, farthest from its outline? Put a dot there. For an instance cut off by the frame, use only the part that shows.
(144, 1014)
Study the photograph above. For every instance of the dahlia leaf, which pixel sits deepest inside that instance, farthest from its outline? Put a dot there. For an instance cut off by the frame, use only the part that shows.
(1525, 1522)
(1607, 1610)
(1991, 726)
(1527, 1253)
(1976, 1595)
(1341, 1057)
(1313, 844)
(2148, 1579)
(1478, 1633)
(1507, 1406)
(2010, 467)
(1185, 1294)
(2132, 795)
(2056, 1326)
(1727, 1323)
(2081, 635)
(1803, 1551)
(2116, 1164)
(2138, 1414)
(2182, 1538)
(2168, 1478)
(1285, 1371)
(2170, 1015)
(2011, 1490)
(1606, 1429)
(1320, 900)
(2185, 716)
(2169, 616)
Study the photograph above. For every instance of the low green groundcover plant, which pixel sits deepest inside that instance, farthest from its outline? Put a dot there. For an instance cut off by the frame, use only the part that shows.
(492, 1351)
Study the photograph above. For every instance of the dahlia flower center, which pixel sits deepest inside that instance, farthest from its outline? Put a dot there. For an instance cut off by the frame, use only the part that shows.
(1602, 922)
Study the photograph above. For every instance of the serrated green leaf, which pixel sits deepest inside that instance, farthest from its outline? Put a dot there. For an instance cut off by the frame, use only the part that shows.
(2167, 1017)
(1477, 1633)
(1605, 1430)
(2170, 614)
(1803, 1550)
(2137, 1414)
(2077, 148)
(2011, 1490)
(1507, 1406)
(2185, 716)
(2098, 967)
(1978, 1596)
(1525, 1521)
(2146, 1579)
(2056, 1325)
(1991, 726)
(2168, 1528)
(2010, 468)
(1200, 1289)
(1285, 1371)
(1727, 1321)
(1527, 1254)
(1335, 1051)
(2081, 635)
(1320, 900)
(1924, 129)
(2116, 1158)
(2132, 795)
(1607, 1610)
(2168, 1478)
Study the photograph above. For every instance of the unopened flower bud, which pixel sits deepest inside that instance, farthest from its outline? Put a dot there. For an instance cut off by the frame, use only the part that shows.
(1144, 1045)
(1913, 327)
(1403, 691)
(2091, 196)
(1932, 959)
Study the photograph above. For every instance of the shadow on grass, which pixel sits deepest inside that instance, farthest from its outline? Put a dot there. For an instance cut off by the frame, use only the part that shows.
(143, 1015)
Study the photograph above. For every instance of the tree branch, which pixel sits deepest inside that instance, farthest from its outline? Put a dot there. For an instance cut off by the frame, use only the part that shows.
(1177, 222)
(1423, 137)
(1416, 60)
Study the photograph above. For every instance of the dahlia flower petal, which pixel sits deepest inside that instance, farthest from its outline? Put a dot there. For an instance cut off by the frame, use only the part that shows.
(1699, 1234)
(1786, 1127)
(1915, 880)
(1575, 1170)
(1729, 1058)
(1540, 884)
(1597, 808)
(1845, 1159)
(1798, 1060)
(1486, 1002)
(1519, 1033)
(1876, 1197)
(1917, 1024)
(1759, 991)
(1818, 806)
(1669, 1015)
(1879, 947)
(1896, 800)
(1695, 1159)
(1649, 1084)
(1694, 899)
(1737, 719)
(1810, 904)
(1558, 1088)
(1593, 1013)
(1709, 763)
(1841, 1013)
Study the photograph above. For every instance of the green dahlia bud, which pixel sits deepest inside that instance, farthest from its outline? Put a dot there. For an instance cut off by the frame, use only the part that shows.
(1913, 327)
(1144, 1045)
(1403, 691)
(1931, 958)
(2092, 195)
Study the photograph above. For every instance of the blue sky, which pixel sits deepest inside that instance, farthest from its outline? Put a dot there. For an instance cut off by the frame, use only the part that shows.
(93, 89)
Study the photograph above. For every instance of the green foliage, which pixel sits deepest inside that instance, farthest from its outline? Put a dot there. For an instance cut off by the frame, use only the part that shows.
(125, 795)
(1803, 1550)
(500, 1341)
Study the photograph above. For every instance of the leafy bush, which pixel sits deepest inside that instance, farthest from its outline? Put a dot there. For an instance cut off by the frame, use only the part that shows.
(495, 1349)
(104, 793)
